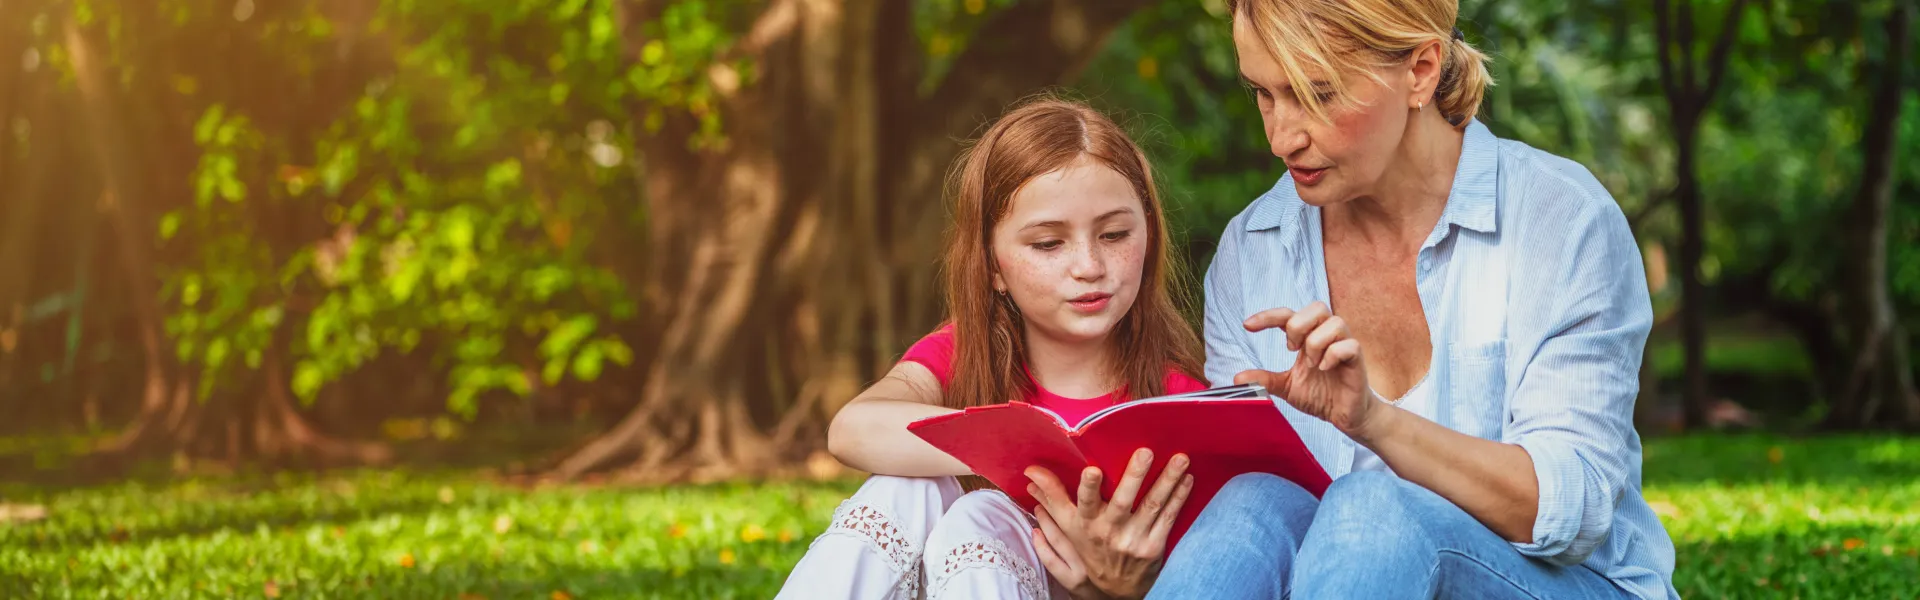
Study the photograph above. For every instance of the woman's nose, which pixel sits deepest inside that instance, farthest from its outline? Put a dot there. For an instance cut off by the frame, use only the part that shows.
(1285, 131)
(1286, 137)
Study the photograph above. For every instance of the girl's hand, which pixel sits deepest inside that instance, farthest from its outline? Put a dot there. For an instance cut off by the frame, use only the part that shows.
(1108, 549)
(1329, 376)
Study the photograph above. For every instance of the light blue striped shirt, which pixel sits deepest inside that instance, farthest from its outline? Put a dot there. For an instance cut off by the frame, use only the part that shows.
(1536, 300)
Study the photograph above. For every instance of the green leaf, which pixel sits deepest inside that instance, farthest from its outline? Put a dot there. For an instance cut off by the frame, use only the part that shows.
(503, 175)
(563, 339)
(209, 121)
(617, 351)
(653, 52)
(587, 365)
(169, 224)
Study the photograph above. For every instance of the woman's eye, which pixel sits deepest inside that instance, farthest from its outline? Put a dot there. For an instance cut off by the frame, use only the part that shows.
(1115, 236)
(1323, 97)
(1046, 245)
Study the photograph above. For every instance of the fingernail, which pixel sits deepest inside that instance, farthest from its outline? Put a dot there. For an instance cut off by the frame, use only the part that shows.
(1144, 454)
(1180, 460)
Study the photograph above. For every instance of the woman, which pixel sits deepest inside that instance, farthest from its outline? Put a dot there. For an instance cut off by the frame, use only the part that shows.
(1058, 285)
(1455, 322)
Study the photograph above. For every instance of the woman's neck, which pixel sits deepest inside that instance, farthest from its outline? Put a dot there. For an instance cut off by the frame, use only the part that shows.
(1412, 193)
(1075, 369)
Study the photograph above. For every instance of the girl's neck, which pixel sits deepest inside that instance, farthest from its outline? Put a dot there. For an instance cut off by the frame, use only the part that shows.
(1074, 369)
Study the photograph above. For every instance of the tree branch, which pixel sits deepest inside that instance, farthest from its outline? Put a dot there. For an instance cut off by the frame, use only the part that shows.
(1683, 32)
(1019, 51)
(1646, 210)
(1663, 41)
(1032, 45)
(1722, 49)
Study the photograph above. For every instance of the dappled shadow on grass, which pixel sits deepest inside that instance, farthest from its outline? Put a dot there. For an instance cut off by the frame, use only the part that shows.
(1850, 460)
(1856, 561)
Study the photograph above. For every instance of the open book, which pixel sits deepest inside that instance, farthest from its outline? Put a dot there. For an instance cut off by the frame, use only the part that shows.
(1223, 431)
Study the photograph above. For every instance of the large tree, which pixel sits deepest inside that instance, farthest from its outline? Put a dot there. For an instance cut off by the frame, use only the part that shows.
(791, 246)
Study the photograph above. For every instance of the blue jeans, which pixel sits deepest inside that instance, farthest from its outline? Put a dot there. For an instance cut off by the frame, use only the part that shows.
(1372, 535)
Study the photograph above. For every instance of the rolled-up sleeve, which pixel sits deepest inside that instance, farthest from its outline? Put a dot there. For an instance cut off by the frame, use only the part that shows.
(1572, 409)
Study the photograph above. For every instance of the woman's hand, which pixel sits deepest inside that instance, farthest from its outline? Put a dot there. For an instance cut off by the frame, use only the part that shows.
(1329, 377)
(1100, 549)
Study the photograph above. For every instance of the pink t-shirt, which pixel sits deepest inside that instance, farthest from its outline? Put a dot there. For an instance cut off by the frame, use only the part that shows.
(935, 352)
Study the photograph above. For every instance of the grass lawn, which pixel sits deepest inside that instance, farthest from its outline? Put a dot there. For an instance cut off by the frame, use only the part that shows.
(1752, 516)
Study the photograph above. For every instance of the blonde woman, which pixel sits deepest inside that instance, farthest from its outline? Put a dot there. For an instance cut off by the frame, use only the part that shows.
(1454, 320)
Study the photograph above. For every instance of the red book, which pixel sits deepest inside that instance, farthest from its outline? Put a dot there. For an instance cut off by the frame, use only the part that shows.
(1223, 431)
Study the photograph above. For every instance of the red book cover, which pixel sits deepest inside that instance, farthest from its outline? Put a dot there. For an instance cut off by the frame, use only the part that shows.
(1224, 432)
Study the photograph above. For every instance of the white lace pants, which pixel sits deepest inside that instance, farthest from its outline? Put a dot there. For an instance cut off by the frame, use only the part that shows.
(902, 538)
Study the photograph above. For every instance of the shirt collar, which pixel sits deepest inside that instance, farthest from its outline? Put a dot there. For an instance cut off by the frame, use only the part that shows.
(1471, 204)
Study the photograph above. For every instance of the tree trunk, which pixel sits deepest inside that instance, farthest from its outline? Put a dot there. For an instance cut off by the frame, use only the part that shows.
(780, 257)
(1880, 377)
(1693, 320)
(170, 420)
(1689, 89)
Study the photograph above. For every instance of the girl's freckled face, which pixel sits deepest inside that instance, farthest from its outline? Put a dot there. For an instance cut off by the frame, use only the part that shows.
(1069, 251)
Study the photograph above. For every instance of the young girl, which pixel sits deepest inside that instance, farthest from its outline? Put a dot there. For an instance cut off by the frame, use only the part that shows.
(1057, 282)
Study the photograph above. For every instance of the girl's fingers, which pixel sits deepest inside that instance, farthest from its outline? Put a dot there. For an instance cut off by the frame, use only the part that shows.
(1123, 495)
(1159, 499)
(1163, 525)
(1047, 490)
(1062, 546)
(1090, 504)
(1052, 561)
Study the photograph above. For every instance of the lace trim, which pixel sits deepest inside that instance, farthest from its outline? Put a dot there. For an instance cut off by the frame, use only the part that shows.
(870, 524)
(988, 553)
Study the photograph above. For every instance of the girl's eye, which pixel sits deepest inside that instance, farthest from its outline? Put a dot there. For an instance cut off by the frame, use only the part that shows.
(1046, 245)
(1323, 97)
(1115, 236)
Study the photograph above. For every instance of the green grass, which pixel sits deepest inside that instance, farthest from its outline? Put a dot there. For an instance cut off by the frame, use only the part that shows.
(1833, 518)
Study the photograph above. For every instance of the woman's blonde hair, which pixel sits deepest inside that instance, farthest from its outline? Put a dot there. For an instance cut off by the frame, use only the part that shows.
(1339, 38)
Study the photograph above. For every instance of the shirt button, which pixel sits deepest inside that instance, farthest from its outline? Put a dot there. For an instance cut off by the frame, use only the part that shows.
(1426, 264)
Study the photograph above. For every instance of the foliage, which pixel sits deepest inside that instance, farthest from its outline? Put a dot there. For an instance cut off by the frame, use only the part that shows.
(1752, 516)
(457, 197)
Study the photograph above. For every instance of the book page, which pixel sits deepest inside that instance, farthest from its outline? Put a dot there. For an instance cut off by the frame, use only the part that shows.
(1250, 390)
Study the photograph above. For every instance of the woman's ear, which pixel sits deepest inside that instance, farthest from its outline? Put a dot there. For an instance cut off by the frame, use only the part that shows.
(1424, 68)
(999, 283)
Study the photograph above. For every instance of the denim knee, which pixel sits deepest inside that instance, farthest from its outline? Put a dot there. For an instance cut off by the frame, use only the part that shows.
(1261, 497)
(1368, 499)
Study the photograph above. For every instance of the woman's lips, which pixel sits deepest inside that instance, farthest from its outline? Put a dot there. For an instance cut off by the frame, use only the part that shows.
(1307, 176)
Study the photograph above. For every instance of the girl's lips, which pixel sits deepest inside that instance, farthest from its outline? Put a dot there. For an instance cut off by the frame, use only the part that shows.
(1090, 302)
(1307, 176)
